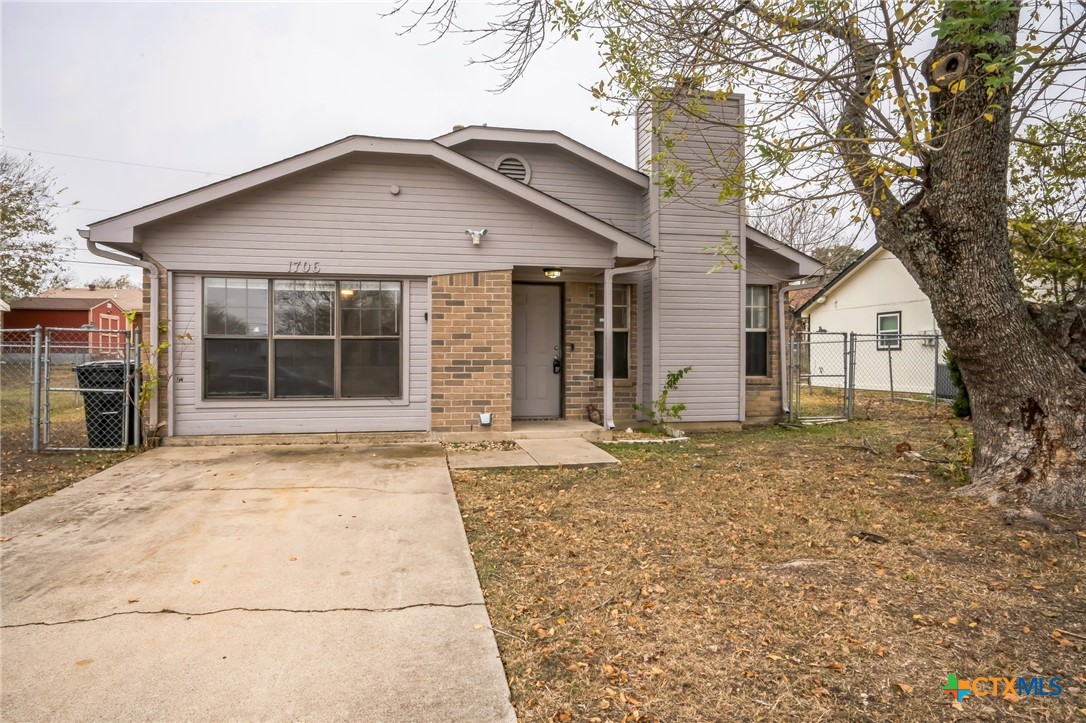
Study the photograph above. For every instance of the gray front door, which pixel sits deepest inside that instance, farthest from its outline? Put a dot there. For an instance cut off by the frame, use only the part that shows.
(537, 342)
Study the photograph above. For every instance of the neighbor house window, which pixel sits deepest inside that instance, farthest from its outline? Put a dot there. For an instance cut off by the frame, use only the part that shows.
(889, 330)
(757, 322)
(620, 324)
(327, 339)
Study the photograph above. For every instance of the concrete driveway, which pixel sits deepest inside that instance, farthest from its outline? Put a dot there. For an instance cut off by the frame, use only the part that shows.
(322, 582)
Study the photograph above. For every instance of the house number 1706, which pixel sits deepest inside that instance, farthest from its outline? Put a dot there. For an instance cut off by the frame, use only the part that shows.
(303, 267)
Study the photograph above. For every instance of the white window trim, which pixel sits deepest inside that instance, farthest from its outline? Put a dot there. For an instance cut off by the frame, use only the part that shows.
(766, 330)
(516, 157)
(356, 403)
(894, 345)
(625, 327)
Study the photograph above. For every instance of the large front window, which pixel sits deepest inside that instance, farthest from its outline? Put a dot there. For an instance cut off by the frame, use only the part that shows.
(620, 309)
(326, 340)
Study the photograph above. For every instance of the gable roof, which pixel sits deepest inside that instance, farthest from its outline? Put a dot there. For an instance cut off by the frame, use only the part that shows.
(842, 277)
(808, 265)
(81, 299)
(542, 137)
(119, 230)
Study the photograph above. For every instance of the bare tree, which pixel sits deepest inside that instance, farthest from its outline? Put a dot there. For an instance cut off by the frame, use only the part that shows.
(807, 228)
(900, 113)
(121, 281)
(31, 256)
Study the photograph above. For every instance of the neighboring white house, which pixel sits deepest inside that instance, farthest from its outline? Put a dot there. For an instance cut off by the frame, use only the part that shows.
(896, 339)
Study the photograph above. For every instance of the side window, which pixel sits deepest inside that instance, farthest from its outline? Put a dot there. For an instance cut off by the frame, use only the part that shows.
(620, 307)
(888, 326)
(757, 326)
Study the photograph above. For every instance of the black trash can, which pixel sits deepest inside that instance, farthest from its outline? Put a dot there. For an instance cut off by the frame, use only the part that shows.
(104, 399)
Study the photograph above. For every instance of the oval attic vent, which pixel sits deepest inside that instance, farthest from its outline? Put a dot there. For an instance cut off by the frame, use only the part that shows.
(514, 167)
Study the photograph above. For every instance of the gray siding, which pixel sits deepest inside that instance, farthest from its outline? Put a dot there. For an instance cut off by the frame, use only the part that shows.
(196, 417)
(700, 314)
(561, 174)
(765, 267)
(344, 216)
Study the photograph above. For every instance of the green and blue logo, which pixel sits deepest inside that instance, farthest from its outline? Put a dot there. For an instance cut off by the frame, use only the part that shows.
(1000, 687)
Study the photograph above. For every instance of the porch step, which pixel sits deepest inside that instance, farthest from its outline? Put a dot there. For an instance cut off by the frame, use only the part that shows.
(574, 452)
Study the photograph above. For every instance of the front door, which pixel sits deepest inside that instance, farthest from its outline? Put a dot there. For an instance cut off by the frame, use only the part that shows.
(537, 350)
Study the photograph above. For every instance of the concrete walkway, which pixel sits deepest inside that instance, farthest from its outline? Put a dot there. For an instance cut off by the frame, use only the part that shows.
(320, 583)
(560, 452)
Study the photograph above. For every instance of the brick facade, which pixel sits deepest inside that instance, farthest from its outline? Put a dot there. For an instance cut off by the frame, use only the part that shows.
(471, 350)
(581, 388)
(764, 393)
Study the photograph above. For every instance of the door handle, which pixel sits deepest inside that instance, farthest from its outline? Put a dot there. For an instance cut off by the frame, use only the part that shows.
(557, 365)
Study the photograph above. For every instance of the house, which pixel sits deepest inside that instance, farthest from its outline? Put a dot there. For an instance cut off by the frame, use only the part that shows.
(897, 345)
(89, 308)
(387, 284)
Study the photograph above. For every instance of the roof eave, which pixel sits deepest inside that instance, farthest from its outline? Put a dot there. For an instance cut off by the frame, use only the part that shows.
(841, 278)
(806, 265)
(122, 230)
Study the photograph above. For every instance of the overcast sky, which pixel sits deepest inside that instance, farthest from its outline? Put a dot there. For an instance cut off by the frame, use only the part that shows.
(222, 88)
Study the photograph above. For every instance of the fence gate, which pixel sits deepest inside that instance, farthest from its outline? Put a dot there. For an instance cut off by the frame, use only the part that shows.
(818, 376)
(70, 389)
(835, 376)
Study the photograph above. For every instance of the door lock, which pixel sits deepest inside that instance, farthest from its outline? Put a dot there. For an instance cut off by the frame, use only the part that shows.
(557, 365)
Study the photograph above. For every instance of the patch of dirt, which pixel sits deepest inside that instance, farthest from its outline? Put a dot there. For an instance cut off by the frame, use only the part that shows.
(741, 576)
(495, 445)
(25, 476)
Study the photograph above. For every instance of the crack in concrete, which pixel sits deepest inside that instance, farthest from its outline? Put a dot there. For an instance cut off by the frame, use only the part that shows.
(168, 611)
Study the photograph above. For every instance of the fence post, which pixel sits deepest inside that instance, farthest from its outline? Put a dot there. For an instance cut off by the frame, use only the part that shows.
(35, 394)
(45, 389)
(890, 363)
(935, 389)
(850, 374)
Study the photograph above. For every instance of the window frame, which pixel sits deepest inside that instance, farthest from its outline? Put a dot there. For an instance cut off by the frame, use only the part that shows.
(893, 339)
(748, 329)
(270, 401)
(624, 328)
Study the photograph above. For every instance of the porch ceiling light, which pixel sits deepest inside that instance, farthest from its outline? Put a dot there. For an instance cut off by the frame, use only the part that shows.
(552, 273)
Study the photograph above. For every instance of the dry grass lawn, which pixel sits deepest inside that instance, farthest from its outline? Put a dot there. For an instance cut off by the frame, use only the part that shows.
(724, 579)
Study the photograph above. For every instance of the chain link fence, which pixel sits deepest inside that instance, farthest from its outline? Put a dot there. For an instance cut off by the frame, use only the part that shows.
(69, 389)
(16, 387)
(839, 376)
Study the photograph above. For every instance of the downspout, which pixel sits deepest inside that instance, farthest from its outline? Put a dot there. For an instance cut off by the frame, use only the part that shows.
(608, 337)
(152, 270)
(786, 369)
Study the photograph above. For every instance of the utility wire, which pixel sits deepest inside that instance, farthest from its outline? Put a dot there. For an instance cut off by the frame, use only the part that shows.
(122, 163)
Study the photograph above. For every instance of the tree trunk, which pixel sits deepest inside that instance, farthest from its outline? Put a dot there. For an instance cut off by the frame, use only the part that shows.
(1028, 395)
